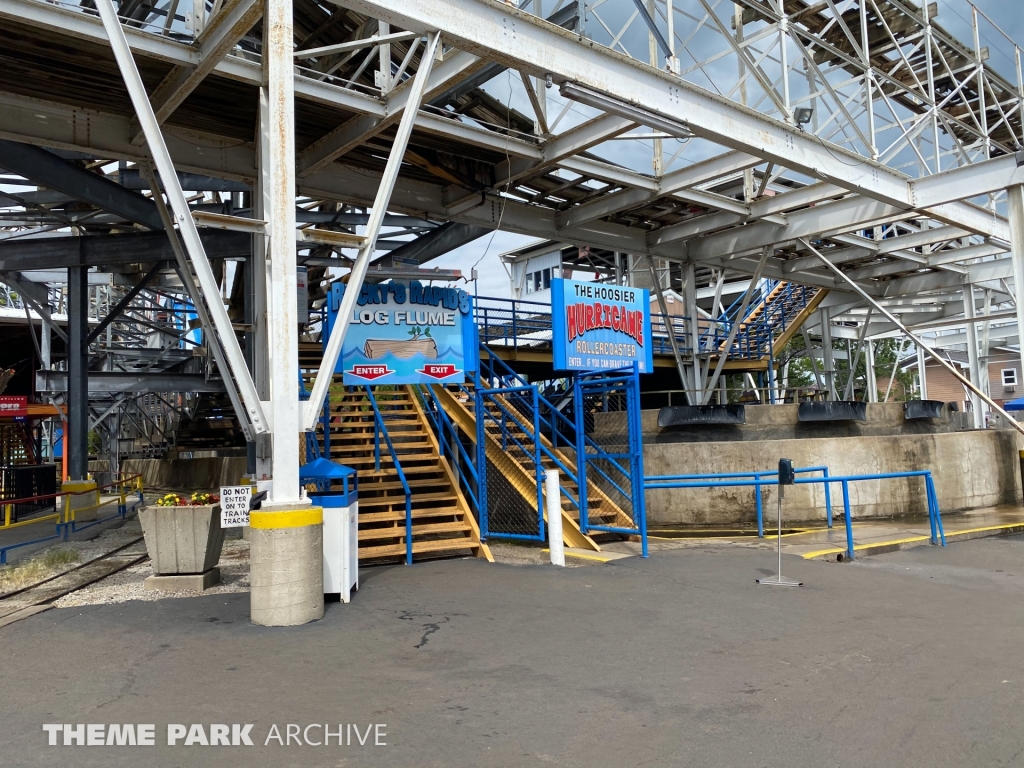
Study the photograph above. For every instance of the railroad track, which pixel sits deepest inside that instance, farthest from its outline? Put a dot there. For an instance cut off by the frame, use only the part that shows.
(36, 598)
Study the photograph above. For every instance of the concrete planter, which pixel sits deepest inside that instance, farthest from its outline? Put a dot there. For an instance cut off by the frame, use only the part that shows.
(183, 540)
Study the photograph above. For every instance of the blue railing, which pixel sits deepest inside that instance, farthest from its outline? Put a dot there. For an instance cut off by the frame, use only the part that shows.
(938, 535)
(464, 466)
(379, 430)
(668, 481)
(518, 324)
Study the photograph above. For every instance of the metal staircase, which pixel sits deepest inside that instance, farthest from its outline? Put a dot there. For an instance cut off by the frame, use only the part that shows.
(410, 504)
(525, 435)
(780, 313)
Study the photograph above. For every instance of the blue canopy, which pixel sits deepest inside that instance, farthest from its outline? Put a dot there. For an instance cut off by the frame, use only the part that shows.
(1014, 405)
(323, 469)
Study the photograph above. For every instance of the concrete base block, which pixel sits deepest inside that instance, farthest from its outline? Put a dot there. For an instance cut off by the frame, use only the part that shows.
(286, 573)
(193, 582)
(74, 489)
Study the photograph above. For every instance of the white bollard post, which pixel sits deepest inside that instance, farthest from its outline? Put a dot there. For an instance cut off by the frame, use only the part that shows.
(553, 504)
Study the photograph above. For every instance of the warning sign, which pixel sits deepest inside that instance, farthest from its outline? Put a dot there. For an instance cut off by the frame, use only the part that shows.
(234, 505)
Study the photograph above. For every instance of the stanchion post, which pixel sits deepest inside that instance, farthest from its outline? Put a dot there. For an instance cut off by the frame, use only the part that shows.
(786, 476)
(553, 502)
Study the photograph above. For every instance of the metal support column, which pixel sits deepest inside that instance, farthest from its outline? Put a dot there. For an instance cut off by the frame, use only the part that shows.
(872, 376)
(286, 536)
(828, 359)
(973, 361)
(921, 375)
(77, 442)
(1015, 213)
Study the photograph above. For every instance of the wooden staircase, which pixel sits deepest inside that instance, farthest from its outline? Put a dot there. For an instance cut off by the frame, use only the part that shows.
(787, 310)
(518, 468)
(443, 524)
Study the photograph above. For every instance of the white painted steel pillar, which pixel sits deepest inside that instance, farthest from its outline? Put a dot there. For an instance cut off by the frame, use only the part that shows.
(827, 360)
(872, 376)
(973, 361)
(286, 535)
(1015, 213)
(921, 375)
(553, 506)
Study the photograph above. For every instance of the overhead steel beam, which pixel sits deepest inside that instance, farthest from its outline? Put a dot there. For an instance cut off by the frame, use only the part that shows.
(700, 173)
(111, 250)
(48, 170)
(124, 302)
(482, 27)
(182, 215)
(234, 19)
(130, 178)
(361, 129)
(325, 373)
(435, 243)
(106, 381)
(77, 129)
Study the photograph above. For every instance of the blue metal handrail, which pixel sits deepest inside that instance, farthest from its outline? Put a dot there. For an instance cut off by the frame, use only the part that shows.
(652, 481)
(938, 535)
(379, 428)
(440, 421)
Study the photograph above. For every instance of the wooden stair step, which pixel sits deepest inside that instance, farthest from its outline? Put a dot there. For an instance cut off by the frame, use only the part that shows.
(417, 497)
(398, 550)
(397, 485)
(398, 531)
(399, 515)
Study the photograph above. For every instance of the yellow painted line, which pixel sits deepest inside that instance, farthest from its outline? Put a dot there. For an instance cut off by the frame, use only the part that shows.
(595, 558)
(1001, 527)
(913, 540)
(298, 518)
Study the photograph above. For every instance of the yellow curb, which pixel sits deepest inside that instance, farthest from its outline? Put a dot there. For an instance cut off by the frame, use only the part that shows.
(914, 540)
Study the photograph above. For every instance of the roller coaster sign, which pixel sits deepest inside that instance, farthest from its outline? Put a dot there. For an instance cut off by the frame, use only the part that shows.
(600, 327)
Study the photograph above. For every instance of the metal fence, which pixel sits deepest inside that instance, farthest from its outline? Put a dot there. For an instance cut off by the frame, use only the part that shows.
(610, 453)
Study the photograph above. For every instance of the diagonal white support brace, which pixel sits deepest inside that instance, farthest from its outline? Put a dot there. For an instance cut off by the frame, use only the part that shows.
(915, 338)
(182, 215)
(376, 220)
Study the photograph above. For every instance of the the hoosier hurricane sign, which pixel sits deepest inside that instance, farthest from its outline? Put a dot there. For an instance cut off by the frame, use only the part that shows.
(406, 333)
(599, 327)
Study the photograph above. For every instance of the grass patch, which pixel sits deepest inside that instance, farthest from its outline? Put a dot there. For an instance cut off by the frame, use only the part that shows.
(21, 575)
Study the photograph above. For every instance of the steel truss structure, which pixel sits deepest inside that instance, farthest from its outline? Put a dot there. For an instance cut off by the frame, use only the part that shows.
(860, 146)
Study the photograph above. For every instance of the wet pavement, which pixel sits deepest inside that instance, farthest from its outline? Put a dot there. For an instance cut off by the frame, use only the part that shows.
(871, 536)
(906, 659)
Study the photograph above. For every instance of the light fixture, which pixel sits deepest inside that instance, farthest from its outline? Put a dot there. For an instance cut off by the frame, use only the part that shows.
(803, 115)
(673, 127)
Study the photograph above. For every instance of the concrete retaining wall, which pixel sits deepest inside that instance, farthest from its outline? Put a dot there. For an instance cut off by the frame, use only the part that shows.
(971, 469)
(186, 474)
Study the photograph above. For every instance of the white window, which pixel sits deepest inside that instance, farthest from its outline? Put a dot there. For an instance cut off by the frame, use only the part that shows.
(1009, 377)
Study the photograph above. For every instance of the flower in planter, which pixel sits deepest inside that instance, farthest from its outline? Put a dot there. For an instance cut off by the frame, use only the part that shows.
(199, 498)
(170, 500)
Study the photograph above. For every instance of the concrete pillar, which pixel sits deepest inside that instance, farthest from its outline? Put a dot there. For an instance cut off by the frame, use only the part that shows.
(828, 361)
(973, 359)
(286, 535)
(1015, 213)
(921, 373)
(872, 377)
